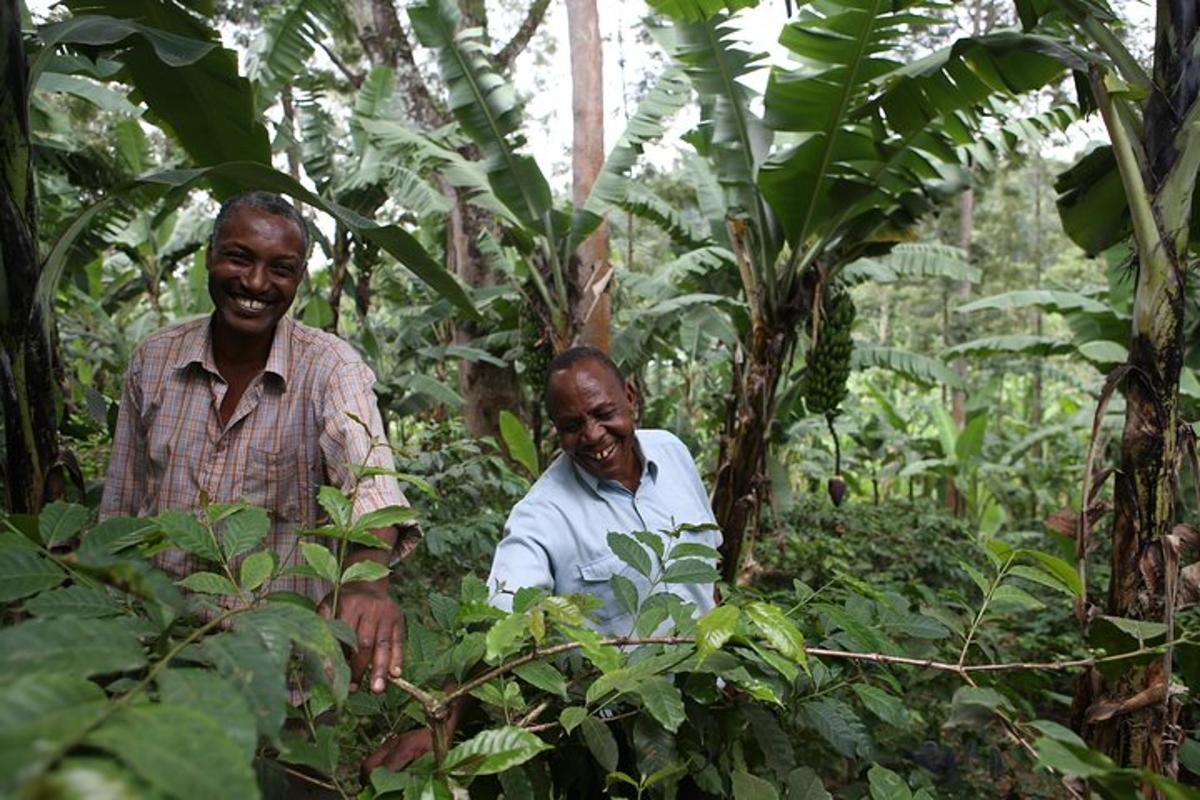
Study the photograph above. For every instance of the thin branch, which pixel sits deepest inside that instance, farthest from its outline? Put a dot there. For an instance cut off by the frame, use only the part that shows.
(516, 45)
(352, 76)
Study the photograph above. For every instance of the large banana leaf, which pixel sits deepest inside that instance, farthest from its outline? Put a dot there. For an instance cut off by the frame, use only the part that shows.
(285, 46)
(485, 105)
(920, 369)
(886, 141)
(913, 260)
(648, 123)
(1045, 299)
(205, 105)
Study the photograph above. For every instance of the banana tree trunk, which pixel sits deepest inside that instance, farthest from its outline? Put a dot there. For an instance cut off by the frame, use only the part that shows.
(741, 482)
(27, 388)
(1135, 718)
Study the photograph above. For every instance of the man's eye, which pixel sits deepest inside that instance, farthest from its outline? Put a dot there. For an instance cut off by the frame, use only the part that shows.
(283, 269)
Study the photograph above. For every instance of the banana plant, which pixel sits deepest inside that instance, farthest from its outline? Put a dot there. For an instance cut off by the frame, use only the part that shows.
(853, 148)
(1140, 187)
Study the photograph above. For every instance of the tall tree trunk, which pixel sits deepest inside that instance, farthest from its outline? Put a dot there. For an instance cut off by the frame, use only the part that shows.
(590, 318)
(1135, 717)
(27, 385)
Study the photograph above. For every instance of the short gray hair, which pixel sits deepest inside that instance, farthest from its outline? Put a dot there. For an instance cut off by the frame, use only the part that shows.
(269, 202)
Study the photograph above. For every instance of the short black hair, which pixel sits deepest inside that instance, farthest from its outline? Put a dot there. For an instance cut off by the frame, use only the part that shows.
(261, 201)
(574, 355)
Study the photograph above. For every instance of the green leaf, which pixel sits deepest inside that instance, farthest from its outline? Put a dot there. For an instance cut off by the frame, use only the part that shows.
(980, 696)
(93, 602)
(883, 705)
(626, 592)
(694, 550)
(887, 785)
(23, 573)
(385, 517)
(365, 571)
(780, 631)
(805, 784)
(519, 442)
(323, 562)
(690, 570)
(257, 568)
(921, 369)
(1066, 575)
(204, 104)
(243, 530)
(493, 751)
(216, 698)
(38, 712)
(185, 532)
(628, 550)
(485, 105)
(571, 716)
(1072, 760)
(600, 742)
(1009, 597)
(257, 670)
(837, 724)
(1142, 630)
(336, 505)
(506, 636)
(278, 623)
(714, 629)
(544, 676)
(663, 700)
(752, 787)
(112, 536)
(60, 521)
(180, 750)
(69, 646)
(208, 583)
(1008, 345)
(913, 260)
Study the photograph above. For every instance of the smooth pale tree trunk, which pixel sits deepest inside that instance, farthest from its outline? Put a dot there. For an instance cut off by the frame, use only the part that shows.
(27, 385)
(590, 314)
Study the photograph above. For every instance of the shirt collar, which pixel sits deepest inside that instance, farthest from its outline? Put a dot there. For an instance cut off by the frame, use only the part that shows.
(197, 349)
(649, 469)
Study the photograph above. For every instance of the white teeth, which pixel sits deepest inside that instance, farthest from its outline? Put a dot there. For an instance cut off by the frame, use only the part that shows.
(604, 454)
(250, 305)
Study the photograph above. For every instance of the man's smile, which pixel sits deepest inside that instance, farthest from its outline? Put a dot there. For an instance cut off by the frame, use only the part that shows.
(603, 454)
(248, 304)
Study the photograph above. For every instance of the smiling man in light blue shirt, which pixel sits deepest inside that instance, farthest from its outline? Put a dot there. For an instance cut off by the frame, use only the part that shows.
(610, 477)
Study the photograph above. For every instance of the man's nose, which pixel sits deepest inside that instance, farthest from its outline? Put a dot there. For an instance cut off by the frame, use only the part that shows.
(590, 431)
(255, 278)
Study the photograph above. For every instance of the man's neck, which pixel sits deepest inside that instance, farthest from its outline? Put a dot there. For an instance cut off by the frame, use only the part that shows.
(239, 353)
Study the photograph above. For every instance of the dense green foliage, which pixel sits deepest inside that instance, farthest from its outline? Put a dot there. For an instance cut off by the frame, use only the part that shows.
(886, 648)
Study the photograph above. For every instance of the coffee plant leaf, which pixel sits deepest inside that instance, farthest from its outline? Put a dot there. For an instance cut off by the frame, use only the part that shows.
(630, 551)
(694, 550)
(91, 602)
(690, 570)
(883, 705)
(364, 571)
(519, 442)
(655, 748)
(256, 671)
(243, 530)
(257, 568)
(838, 725)
(772, 740)
(178, 750)
(322, 561)
(626, 593)
(714, 629)
(663, 700)
(185, 532)
(23, 573)
(208, 583)
(70, 646)
(805, 784)
(38, 712)
(506, 637)
(493, 751)
(600, 742)
(752, 787)
(780, 631)
(336, 505)
(652, 541)
(887, 785)
(543, 676)
(59, 521)
(312, 634)
(217, 698)
(571, 716)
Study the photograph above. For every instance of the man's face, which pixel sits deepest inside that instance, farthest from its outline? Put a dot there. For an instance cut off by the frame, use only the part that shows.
(594, 416)
(254, 269)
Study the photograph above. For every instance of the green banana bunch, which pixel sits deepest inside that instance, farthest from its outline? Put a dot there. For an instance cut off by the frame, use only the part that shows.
(827, 365)
(537, 353)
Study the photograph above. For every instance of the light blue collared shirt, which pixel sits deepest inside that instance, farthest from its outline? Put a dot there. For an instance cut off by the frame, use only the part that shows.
(556, 537)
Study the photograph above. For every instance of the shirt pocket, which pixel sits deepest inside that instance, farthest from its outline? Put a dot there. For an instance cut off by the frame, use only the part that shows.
(596, 581)
(272, 482)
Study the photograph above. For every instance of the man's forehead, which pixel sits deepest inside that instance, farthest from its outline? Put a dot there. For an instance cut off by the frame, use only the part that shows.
(258, 219)
(584, 375)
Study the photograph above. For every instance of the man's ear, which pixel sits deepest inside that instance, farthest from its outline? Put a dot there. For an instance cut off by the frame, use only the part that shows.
(631, 394)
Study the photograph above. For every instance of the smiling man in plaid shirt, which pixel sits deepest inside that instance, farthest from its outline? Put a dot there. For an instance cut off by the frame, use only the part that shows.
(249, 404)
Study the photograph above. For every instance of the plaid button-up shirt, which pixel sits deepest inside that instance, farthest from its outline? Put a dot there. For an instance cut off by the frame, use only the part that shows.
(291, 433)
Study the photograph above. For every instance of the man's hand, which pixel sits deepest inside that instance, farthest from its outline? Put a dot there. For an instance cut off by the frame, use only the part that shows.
(378, 624)
(397, 752)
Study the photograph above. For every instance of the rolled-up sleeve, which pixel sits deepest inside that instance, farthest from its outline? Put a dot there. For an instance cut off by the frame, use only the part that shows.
(352, 434)
(521, 561)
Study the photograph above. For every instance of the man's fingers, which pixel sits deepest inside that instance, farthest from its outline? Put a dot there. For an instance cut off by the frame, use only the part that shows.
(364, 627)
(382, 658)
(396, 668)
